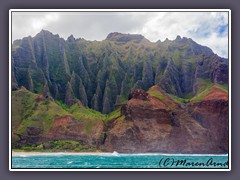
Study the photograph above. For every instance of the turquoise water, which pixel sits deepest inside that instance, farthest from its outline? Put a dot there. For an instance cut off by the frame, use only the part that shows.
(119, 161)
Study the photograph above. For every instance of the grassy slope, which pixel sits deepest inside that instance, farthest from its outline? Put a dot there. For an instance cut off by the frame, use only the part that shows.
(162, 96)
(205, 87)
(116, 114)
(202, 94)
(27, 111)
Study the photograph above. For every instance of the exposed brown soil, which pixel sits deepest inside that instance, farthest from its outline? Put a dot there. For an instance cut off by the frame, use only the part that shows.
(62, 121)
(216, 94)
(149, 126)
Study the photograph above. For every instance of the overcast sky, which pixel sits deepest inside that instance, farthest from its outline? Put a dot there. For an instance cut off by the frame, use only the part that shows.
(206, 28)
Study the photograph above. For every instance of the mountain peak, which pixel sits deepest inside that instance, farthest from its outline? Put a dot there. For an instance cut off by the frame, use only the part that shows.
(48, 33)
(45, 31)
(178, 37)
(71, 38)
(166, 40)
(124, 38)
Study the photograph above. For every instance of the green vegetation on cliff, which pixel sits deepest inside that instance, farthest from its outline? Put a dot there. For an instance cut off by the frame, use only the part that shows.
(201, 95)
(68, 94)
(35, 118)
(32, 110)
(103, 73)
(57, 146)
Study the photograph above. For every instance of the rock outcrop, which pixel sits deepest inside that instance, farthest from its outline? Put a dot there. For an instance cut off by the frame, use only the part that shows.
(149, 126)
(124, 38)
(212, 114)
(149, 122)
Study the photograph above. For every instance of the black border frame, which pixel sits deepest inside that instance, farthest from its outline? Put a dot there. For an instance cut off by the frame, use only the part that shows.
(136, 169)
(5, 5)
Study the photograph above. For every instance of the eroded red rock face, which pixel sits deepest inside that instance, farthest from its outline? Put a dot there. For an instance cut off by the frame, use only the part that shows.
(148, 126)
(137, 109)
(68, 128)
(61, 129)
(62, 121)
(217, 94)
(138, 94)
(39, 98)
(213, 115)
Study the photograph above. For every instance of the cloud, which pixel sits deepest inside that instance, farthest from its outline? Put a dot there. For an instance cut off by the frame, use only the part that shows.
(88, 25)
(207, 28)
(25, 24)
(44, 21)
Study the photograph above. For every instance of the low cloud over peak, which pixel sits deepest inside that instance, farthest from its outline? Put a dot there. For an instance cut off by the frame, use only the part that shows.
(207, 28)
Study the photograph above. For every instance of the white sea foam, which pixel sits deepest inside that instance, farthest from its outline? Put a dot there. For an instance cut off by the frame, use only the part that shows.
(23, 155)
(115, 153)
(109, 161)
(26, 154)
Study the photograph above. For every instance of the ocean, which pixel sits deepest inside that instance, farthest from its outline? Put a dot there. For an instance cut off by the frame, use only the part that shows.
(118, 161)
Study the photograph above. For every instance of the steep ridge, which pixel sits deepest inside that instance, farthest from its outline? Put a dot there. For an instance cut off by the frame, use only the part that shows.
(103, 73)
